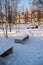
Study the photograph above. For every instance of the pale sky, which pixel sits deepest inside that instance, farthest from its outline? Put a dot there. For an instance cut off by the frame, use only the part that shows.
(25, 4)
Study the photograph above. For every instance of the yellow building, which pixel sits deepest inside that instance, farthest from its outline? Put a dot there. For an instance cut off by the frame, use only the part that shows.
(35, 16)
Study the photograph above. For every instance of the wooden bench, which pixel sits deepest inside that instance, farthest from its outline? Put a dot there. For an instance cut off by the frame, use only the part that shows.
(20, 39)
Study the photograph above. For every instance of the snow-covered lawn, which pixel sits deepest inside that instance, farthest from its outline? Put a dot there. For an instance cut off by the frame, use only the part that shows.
(29, 53)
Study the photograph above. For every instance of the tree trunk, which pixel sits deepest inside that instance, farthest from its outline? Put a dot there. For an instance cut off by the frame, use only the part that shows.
(10, 27)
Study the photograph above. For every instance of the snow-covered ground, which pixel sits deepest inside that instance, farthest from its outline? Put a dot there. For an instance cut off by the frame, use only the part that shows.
(23, 27)
(29, 53)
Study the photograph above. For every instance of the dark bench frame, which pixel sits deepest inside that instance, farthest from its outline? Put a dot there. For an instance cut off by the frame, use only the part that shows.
(21, 41)
(6, 53)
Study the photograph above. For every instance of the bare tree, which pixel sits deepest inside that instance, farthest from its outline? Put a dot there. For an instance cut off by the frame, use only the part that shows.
(10, 13)
(37, 6)
(14, 8)
(15, 12)
(26, 16)
(6, 11)
(1, 18)
(0, 12)
(9, 16)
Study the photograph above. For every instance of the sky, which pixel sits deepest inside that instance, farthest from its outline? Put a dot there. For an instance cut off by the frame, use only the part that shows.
(25, 4)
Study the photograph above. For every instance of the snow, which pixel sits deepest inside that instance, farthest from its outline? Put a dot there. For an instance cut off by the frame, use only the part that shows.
(29, 53)
(4, 45)
(22, 36)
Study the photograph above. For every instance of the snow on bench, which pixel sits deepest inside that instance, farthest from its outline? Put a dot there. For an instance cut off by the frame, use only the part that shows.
(5, 48)
(20, 39)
